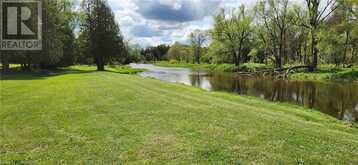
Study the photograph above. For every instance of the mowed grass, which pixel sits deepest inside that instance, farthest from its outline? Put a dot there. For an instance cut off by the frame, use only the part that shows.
(89, 117)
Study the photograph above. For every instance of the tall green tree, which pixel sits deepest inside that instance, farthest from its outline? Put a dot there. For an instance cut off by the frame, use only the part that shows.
(52, 32)
(69, 23)
(233, 31)
(103, 35)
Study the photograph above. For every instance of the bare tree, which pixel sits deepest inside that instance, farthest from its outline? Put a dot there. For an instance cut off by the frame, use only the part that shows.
(197, 39)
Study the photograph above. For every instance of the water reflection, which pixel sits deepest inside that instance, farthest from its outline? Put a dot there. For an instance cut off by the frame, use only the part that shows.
(336, 99)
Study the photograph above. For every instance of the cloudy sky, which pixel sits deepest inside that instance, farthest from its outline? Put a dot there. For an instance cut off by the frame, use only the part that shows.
(153, 22)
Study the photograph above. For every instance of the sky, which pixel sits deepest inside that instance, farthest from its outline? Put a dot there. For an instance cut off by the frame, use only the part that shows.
(154, 22)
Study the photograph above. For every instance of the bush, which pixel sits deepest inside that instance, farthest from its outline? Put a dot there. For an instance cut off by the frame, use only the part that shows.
(172, 61)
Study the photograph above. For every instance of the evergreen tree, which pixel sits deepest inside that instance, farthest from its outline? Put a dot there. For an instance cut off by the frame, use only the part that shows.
(102, 33)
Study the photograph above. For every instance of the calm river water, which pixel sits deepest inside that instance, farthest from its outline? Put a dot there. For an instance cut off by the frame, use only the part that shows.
(338, 99)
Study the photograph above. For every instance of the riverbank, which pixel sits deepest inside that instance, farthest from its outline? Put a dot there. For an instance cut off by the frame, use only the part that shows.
(323, 73)
(249, 67)
(88, 117)
(328, 73)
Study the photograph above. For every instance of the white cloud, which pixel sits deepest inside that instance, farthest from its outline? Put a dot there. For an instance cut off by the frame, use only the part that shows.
(153, 22)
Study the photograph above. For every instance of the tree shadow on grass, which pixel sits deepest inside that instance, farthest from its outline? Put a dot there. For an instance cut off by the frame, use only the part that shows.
(17, 74)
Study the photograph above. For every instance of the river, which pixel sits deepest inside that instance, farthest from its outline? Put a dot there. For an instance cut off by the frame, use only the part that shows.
(338, 99)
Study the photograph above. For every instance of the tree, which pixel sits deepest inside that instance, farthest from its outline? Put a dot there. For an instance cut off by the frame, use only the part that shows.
(197, 40)
(135, 53)
(180, 52)
(69, 23)
(276, 21)
(317, 14)
(53, 46)
(233, 31)
(54, 34)
(348, 10)
(218, 53)
(103, 34)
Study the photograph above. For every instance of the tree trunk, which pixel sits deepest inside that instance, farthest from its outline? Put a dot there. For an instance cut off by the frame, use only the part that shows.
(353, 54)
(314, 50)
(278, 62)
(345, 48)
(237, 63)
(305, 54)
(5, 63)
(100, 67)
(197, 56)
(26, 67)
(236, 59)
(100, 63)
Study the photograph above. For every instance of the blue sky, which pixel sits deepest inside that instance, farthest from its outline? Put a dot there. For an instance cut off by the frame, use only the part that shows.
(153, 22)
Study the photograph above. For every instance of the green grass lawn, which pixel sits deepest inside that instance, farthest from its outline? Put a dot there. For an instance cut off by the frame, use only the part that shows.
(82, 116)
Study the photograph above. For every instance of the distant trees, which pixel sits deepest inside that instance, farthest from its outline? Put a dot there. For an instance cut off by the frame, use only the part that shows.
(155, 53)
(180, 52)
(197, 39)
(102, 33)
(282, 32)
(135, 53)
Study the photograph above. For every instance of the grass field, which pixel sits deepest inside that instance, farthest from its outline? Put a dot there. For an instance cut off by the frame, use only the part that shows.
(82, 116)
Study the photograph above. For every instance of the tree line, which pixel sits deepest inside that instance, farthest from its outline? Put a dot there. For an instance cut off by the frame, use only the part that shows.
(99, 40)
(279, 32)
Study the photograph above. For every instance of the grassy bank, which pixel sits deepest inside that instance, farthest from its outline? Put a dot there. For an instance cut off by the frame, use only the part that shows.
(81, 116)
(216, 67)
(328, 73)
